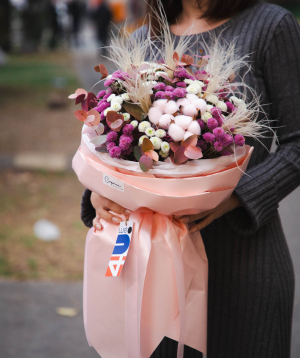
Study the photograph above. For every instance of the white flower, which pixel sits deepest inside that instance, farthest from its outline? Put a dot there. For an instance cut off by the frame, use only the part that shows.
(150, 78)
(160, 133)
(234, 100)
(193, 88)
(206, 116)
(162, 154)
(126, 116)
(142, 139)
(144, 125)
(117, 99)
(159, 73)
(111, 97)
(212, 99)
(150, 132)
(188, 81)
(107, 109)
(156, 142)
(134, 123)
(209, 108)
(109, 77)
(125, 96)
(199, 83)
(238, 102)
(115, 106)
(165, 147)
(222, 106)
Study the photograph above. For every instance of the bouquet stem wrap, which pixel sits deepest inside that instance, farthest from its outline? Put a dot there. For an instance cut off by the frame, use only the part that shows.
(162, 290)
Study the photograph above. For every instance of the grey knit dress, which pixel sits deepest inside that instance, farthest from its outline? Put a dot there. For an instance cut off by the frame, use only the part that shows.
(251, 278)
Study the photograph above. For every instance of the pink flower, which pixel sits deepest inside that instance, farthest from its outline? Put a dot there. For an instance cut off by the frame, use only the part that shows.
(103, 106)
(228, 140)
(212, 123)
(181, 84)
(159, 94)
(169, 88)
(101, 94)
(110, 145)
(109, 82)
(219, 133)
(124, 143)
(209, 137)
(168, 95)
(225, 153)
(179, 92)
(115, 152)
(128, 128)
(112, 137)
(160, 86)
(216, 112)
(239, 140)
(106, 96)
(102, 116)
(201, 143)
(127, 151)
(230, 107)
(218, 146)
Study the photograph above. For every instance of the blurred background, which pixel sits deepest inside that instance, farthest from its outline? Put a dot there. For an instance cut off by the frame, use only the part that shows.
(48, 48)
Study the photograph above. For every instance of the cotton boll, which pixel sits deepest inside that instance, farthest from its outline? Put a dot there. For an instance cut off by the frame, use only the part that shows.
(194, 128)
(183, 121)
(189, 110)
(176, 132)
(161, 104)
(171, 107)
(154, 114)
(187, 134)
(183, 102)
(165, 120)
(200, 104)
(191, 97)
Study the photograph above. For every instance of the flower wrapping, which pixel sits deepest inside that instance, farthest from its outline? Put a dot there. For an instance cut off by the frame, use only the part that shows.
(162, 290)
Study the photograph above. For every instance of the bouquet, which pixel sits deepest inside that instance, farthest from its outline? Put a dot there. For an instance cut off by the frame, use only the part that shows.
(166, 137)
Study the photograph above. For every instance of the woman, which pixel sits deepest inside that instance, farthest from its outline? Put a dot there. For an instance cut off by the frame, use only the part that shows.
(251, 279)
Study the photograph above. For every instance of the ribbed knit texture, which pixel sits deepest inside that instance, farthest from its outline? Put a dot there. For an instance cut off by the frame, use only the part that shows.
(251, 278)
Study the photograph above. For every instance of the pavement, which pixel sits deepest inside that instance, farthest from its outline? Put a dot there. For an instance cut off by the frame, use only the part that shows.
(29, 324)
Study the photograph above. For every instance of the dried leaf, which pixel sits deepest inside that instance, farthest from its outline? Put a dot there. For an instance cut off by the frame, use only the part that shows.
(138, 153)
(134, 109)
(193, 152)
(175, 56)
(147, 145)
(179, 156)
(80, 98)
(152, 154)
(174, 146)
(101, 149)
(81, 115)
(187, 59)
(145, 163)
(190, 141)
(98, 140)
(112, 116)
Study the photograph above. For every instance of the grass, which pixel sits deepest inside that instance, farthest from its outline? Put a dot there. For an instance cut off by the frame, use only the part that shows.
(25, 198)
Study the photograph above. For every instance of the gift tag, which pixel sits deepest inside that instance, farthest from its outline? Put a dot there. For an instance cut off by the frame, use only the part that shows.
(121, 248)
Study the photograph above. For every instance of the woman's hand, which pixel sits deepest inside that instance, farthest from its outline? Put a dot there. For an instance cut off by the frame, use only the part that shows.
(102, 206)
(210, 215)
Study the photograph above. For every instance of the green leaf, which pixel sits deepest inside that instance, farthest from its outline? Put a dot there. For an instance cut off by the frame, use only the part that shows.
(135, 110)
(145, 163)
(137, 151)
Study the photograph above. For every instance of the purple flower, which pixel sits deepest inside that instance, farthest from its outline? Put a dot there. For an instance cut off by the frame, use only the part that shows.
(109, 82)
(201, 143)
(218, 146)
(110, 145)
(204, 88)
(230, 107)
(109, 90)
(101, 94)
(183, 74)
(228, 140)
(212, 123)
(160, 86)
(208, 137)
(107, 95)
(102, 107)
(201, 124)
(159, 94)
(179, 92)
(225, 153)
(169, 88)
(102, 116)
(216, 112)
(181, 84)
(112, 136)
(168, 95)
(115, 152)
(128, 128)
(127, 151)
(201, 72)
(127, 137)
(219, 133)
(106, 128)
(239, 140)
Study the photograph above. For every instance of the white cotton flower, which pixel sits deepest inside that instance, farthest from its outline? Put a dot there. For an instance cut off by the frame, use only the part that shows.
(142, 139)
(117, 99)
(212, 98)
(126, 116)
(160, 133)
(206, 116)
(188, 81)
(150, 132)
(156, 142)
(144, 125)
(111, 97)
(115, 106)
(193, 88)
(165, 147)
(209, 108)
(222, 106)
(107, 109)
(125, 96)
(134, 123)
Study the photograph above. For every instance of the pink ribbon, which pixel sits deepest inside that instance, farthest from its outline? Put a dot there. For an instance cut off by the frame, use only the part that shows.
(135, 273)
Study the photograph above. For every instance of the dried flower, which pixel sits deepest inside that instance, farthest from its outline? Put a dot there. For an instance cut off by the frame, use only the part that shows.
(212, 123)
(110, 145)
(111, 137)
(209, 137)
(239, 140)
(115, 152)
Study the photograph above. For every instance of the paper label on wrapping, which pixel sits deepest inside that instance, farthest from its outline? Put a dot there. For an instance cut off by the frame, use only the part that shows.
(120, 251)
(113, 182)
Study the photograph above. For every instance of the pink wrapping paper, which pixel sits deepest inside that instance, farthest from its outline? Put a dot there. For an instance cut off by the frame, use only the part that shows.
(162, 290)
